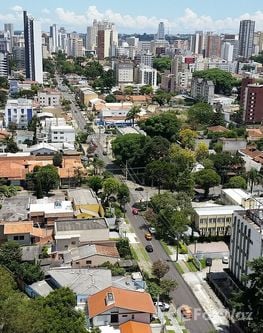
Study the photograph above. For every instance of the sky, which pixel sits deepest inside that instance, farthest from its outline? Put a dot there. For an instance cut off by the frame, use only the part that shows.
(179, 16)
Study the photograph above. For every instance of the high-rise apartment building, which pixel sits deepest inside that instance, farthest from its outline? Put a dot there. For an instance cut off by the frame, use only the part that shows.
(33, 49)
(213, 48)
(3, 65)
(202, 90)
(75, 46)
(227, 50)
(107, 40)
(253, 101)
(92, 34)
(53, 38)
(9, 29)
(161, 32)
(197, 42)
(246, 38)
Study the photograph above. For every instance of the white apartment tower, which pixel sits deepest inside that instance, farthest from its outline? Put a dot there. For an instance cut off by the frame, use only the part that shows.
(33, 49)
(246, 241)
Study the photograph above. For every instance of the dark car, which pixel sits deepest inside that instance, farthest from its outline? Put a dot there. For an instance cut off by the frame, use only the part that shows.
(139, 188)
(149, 248)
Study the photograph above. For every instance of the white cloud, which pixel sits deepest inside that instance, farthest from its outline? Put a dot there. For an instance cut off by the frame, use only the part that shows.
(188, 22)
(71, 18)
(17, 8)
(45, 11)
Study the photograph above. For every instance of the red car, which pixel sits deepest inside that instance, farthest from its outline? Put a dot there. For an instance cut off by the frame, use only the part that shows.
(135, 211)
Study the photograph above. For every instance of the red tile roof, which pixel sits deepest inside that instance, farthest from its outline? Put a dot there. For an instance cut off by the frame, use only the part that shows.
(135, 327)
(122, 298)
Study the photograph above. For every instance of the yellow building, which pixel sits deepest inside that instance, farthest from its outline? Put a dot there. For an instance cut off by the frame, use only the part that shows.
(85, 203)
(86, 94)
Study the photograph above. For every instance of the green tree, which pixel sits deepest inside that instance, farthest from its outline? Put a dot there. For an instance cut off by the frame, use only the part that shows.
(4, 82)
(185, 183)
(29, 272)
(223, 81)
(250, 299)
(123, 194)
(187, 138)
(162, 97)
(3, 98)
(183, 159)
(156, 148)
(165, 124)
(146, 90)
(46, 175)
(253, 177)
(162, 173)
(98, 165)
(81, 137)
(10, 254)
(200, 114)
(127, 147)
(11, 146)
(38, 189)
(133, 113)
(237, 182)
(160, 268)
(128, 90)
(110, 186)
(207, 178)
(58, 159)
(162, 63)
(201, 152)
(95, 183)
(110, 98)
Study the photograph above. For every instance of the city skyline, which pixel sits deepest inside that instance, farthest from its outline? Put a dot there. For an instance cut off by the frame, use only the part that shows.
(135, 16)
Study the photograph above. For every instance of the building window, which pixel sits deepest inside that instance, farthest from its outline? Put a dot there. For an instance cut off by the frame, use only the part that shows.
(77, 262)
(73, 243)
(21, 237)
(88, 262)
(15, 237)
(132, 317)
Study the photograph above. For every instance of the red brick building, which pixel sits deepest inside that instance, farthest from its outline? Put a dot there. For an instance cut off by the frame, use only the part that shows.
(253, 104)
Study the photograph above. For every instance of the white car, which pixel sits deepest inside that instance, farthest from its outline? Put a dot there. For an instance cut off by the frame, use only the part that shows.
(162, 305)
(152, 230)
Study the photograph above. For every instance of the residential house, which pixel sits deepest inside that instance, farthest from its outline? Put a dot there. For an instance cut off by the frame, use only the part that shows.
(86, 94)
(92, 255)
(115, 306)
(86, 204)
(75, 232)
(44, 212)
(24, 233)
(14, 167)
(42, 148)
(48, 97)
(215, 220)
(38, 289)
(254, 134)
(253, 158)
(135, 327)
(233, 145)
(22, 136)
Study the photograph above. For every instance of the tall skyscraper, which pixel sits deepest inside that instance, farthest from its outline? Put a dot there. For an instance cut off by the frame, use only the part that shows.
(9, 28)
(107, 40)
(246, 37)
(160, 33)
(213, 48)
(54, 38)
(33, 49)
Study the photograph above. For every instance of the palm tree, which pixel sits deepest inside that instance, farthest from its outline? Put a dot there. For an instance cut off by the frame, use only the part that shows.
(253, 177)
(98, 165)
(133, 113)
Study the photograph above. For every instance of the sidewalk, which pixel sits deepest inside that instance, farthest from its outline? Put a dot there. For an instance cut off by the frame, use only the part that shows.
(213, 307)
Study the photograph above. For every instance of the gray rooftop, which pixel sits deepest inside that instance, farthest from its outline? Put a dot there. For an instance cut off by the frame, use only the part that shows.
(79, 253)
(42, 288)
(82, 281)
(30, 253)
(84, 224)
(82, 196)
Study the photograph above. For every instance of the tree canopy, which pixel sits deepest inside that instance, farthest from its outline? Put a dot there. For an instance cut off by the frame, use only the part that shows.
(223, 81)
(47, 177)
(162, 63)
(165, 124)
(200, 114)
(207, 178)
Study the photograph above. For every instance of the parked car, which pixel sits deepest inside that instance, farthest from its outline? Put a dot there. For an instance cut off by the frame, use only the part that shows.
(139, 188)
(149, 248)
(186, 311)
(141, 206)
(148, 236)
(152, 230)
(225, 260)
(135, 211)
(163, 306)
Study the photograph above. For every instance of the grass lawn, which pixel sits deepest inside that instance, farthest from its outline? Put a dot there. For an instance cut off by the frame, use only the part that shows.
(166, 248)
(179, 268)
(191, 266)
